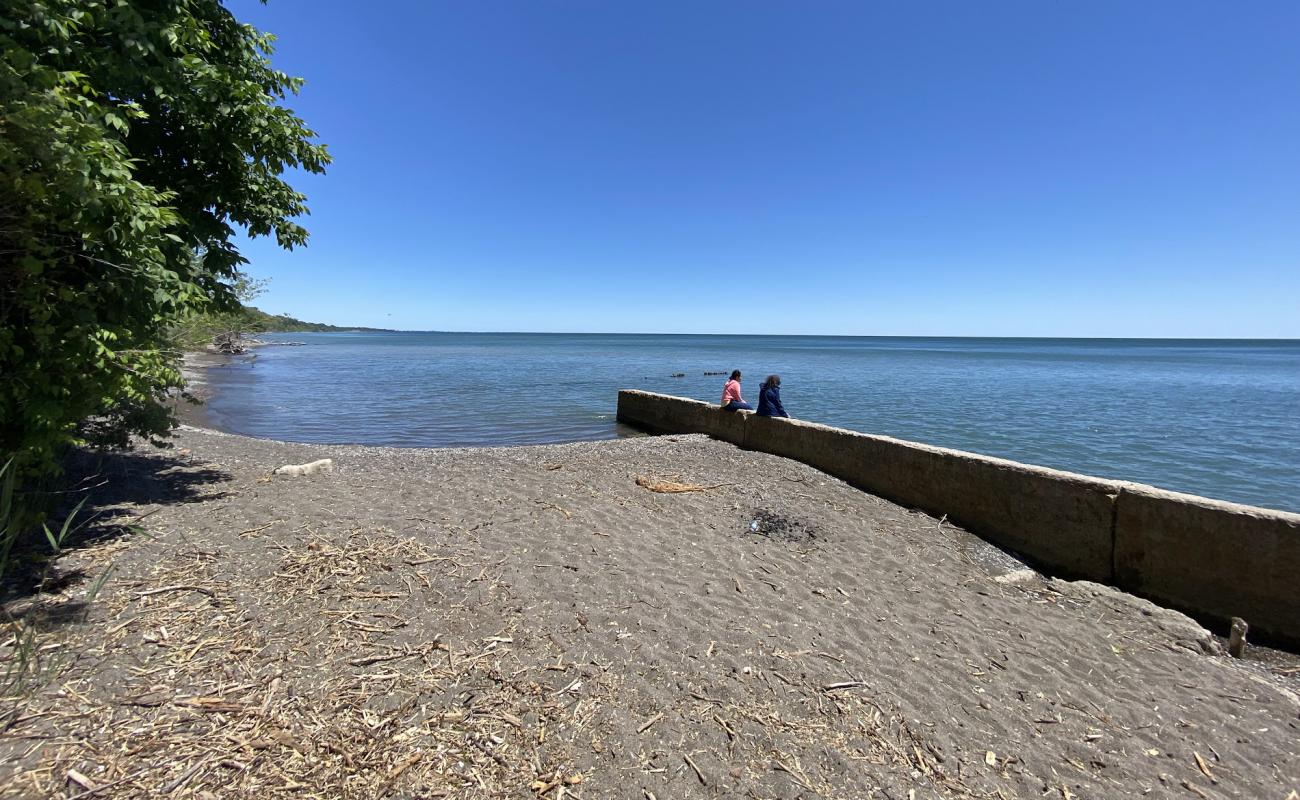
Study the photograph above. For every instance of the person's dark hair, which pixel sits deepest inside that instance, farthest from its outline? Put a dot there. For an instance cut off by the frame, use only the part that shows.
(773, 380)
(735, 375)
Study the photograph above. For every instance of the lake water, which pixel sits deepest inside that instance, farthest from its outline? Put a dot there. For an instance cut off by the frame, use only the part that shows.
(1217, 418)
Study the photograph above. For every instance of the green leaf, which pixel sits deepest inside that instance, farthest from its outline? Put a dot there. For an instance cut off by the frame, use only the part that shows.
(132, 132)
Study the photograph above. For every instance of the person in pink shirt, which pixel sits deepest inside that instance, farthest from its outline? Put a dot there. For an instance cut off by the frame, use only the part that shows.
(731, 399)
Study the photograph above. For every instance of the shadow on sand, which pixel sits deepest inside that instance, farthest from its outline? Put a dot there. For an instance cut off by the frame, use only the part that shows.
(115, 491)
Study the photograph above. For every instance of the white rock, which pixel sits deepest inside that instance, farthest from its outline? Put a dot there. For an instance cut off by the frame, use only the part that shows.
(323, 465)
(1017, 576)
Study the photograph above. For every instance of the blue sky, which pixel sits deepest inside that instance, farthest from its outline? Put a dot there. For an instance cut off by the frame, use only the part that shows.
(879, 168)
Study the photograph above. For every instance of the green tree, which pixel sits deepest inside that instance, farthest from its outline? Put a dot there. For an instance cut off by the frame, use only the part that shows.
(135, 139)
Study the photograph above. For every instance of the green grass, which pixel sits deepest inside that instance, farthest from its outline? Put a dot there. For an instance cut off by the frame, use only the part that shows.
(30, 662)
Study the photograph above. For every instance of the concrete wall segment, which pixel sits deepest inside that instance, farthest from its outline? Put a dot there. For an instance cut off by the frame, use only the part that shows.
(1211, 558)
(667, 414)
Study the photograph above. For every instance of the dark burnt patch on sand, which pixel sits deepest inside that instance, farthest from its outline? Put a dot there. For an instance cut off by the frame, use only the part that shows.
(782, 527)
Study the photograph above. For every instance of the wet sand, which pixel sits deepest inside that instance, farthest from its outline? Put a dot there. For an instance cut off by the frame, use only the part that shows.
(533, 622)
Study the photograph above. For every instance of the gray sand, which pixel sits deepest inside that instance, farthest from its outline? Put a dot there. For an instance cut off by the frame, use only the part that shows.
(531, 622)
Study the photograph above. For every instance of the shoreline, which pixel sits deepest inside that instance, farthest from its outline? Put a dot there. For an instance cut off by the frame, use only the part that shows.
(480, 621)
(196, 366)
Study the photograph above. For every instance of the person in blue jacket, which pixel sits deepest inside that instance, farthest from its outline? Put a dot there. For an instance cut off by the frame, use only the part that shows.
(769, 398)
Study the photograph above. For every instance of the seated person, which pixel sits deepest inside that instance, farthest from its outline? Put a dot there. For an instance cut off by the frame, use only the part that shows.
(769, 398)
(731, 399)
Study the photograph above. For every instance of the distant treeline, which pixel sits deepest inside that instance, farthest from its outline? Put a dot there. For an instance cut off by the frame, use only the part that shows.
(283, 322)
(199, 331)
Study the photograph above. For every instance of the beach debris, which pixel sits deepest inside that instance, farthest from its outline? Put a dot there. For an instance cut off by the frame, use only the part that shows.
(781, 527)
(799, 776)
(831, 687)
(184, 777)
(726, 727)
(1204, 767)
(703, 780)
(180, 587)
(229, 343)
(81, 780)
(567, 513)
(252, 531)
(673, 487)
(541, 786)
(310, 468)
(1237, 638)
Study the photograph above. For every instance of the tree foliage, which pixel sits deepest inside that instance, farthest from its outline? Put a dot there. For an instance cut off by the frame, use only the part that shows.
(135, 139)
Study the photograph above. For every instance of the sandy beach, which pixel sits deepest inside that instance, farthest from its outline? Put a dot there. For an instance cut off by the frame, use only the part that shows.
(533, 622)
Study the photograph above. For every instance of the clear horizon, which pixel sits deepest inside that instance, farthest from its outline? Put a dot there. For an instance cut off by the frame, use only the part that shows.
(370, 329)
(1008, 170)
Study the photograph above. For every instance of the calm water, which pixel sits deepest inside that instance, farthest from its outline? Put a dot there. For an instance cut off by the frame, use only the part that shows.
(1218, 418)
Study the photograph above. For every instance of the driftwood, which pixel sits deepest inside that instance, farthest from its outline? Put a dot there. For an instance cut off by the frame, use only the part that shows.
(673, 487)
(229, 343)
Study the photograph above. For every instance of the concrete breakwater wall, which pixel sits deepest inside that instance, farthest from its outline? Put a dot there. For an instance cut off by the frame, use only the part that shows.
(1207, 557)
